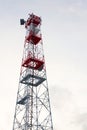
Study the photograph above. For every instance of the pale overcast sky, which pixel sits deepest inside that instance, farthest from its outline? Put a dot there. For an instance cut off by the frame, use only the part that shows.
(64, 31)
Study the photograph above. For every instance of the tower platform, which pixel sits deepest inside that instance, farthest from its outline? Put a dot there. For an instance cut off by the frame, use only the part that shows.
(33, 63)
(34, 39)
(23, 100)
(34, 80)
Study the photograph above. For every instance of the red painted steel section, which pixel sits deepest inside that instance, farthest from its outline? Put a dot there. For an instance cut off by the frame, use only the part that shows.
(33, 19)
(33, 38)
(36, 63)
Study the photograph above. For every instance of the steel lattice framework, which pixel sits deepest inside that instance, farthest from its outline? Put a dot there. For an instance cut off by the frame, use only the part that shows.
(33, 111)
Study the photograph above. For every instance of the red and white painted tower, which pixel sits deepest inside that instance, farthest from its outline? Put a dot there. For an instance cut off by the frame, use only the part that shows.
(33, 111)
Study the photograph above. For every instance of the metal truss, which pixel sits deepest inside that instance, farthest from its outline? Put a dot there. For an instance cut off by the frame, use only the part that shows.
(33, 111)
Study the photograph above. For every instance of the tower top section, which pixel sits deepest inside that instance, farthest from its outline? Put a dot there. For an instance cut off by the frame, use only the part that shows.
(32, 26)
(31, 19)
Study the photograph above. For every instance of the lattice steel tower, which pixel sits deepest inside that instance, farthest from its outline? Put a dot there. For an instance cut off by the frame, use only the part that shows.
(33, 111)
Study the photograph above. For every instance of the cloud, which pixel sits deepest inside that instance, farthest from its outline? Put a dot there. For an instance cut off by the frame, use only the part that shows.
(76, 8)
(67, 114)
(64, 108)
(61, 94)
(82, 120)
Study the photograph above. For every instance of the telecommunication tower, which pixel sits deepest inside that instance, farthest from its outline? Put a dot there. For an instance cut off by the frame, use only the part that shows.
(33, 111)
